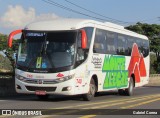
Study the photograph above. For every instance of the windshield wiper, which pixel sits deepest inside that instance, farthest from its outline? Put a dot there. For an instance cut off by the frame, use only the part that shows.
(44, 46)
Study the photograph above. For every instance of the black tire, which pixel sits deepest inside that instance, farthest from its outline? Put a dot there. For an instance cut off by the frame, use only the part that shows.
(129, 90)
(92, 90)
(97, 94)
(42, 97)
(121, 92)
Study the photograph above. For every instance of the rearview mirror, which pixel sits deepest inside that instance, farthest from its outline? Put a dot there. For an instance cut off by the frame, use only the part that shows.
(12, 34)
(83, 39)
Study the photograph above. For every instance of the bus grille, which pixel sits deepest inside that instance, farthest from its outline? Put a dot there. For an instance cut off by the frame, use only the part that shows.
(44, 81)
(47, 89)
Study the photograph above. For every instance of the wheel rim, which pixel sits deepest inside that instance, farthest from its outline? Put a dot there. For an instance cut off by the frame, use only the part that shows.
(131, 87)
(92, 90)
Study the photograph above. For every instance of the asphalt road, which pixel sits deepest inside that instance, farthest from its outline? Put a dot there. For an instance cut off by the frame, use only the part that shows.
(109, 103)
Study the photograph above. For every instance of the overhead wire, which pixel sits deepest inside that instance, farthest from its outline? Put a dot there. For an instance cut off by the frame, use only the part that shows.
(69, 9)
(112, 19)
(51, 2)
(104, 19)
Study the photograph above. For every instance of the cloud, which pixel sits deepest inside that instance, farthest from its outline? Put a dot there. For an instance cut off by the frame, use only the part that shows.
(18, 17)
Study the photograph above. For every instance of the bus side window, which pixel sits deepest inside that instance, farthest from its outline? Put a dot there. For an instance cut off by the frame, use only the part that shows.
(100, 42)
(110, 42)
(139, 43)
(121, 44)
(130, 42)
(145, 48)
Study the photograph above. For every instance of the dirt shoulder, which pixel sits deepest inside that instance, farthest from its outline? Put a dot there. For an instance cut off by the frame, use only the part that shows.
(154, 80)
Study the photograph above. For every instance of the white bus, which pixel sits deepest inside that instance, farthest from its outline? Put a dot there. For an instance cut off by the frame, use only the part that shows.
(77, 56)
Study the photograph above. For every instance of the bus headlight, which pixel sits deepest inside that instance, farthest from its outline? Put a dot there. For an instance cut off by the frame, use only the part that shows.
(65, 78)
(20, 77)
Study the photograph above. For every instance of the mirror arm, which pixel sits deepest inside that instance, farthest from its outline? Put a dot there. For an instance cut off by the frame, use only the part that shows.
(12, 34)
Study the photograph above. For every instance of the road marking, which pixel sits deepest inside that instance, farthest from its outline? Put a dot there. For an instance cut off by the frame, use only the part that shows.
(44, 116)
(6, 116)
(3, 100)
(97, 103)
(139, 104)
(123, 102)
(88, 116)
(113, 103)
(102, 106)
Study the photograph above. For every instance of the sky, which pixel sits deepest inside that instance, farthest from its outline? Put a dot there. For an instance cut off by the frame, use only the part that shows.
(15, 14)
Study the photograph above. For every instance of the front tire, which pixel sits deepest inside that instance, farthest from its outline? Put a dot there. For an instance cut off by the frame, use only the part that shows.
(92, 90)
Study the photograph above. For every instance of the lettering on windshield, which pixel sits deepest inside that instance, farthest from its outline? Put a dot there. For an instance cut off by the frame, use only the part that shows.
(35, 34)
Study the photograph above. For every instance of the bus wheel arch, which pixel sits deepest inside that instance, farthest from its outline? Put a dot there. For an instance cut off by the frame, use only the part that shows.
(92, 89)
(133, 77)
(95, 78)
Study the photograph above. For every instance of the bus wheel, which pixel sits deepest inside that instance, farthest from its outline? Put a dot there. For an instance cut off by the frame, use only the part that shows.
(121, 92)
(42, 97)
(92, 91)
(129, 90)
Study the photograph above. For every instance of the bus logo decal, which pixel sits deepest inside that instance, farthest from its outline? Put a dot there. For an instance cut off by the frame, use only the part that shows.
(60, 75)
(40, 82)
(97, 62)
(137, 65)
(29, 76)
(116, 75)
(79, 81)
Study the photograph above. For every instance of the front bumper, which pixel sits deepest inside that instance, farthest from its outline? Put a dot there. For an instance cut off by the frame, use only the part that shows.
(63, 88)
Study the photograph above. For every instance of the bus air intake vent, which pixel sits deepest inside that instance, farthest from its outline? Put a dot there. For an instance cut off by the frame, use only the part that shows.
(47, 89)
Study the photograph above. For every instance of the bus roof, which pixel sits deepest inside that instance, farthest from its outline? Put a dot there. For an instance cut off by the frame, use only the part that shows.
(72, 24)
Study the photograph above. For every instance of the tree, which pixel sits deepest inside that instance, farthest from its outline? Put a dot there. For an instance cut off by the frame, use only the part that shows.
(4, 62)
(152, 31)
(3, 41)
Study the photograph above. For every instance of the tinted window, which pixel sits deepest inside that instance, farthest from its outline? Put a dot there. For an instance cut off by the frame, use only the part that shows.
(139, 42)
(100, 44)
(130, 42)
(104, 42)
(46, 50)
(111, 43)
(107, 42)
(121, 44)
(145, 47)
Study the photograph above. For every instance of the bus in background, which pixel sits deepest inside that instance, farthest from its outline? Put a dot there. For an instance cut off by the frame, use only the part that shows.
(79, 57)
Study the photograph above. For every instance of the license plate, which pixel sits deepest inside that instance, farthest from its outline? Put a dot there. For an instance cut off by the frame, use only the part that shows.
(40, 92)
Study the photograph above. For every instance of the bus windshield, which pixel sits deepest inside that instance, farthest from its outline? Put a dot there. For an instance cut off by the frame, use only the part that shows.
(47, 50)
